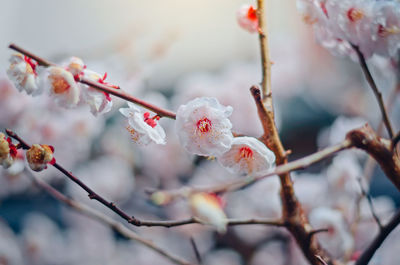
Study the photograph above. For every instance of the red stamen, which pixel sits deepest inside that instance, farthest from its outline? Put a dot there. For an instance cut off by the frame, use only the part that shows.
(252, 14)
(354, 14)
(13, 148)
(150, 121)
(246, 152)
(53, 161)
(32, 63)
(204, 125)
(323, 7)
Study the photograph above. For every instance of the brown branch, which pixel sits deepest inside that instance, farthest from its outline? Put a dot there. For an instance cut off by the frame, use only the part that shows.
(116, 92)
(395, 140)
(299, 164)
(132, 220)
(264, 46)
(375, 89)
(369, 252)
(96, 215)
(380, 149)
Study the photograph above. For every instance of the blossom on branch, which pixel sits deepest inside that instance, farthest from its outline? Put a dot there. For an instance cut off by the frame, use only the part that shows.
(22, 72)
(372, 26)
(99, 102)
(8, 151)
(203, 127)
(62, 86)
(76, 66)
(247, 18)
(247, 156)
(39, 155)
(207, 207)
(143, 128)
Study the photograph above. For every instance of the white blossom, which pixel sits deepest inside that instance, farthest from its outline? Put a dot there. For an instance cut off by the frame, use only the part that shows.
(203, 127)
(62, 86)
(208, 208)
(22, 73)
(143, 128)
(99, 102)
(247, 18)
(337, 240)
(247, 156)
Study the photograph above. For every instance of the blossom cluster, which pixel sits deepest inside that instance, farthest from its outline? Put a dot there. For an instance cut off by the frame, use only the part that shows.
(60, 83)
(203, 128)
(373, 26)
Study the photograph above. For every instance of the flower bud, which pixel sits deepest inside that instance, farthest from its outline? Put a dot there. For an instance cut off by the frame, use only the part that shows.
(39, 155)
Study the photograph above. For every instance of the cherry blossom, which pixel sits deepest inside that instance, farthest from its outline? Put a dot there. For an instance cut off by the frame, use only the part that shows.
(22, 72)
(143, 128)
(8, 151)
(76, 66)
(338, 239)
(99, 102)
(208, 208)
(247, 18)
(39, 155)
(373, 26)
(203, 127)
(62, 86)
(247, 156)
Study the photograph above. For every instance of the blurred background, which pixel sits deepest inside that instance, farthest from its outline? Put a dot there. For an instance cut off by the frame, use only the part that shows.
(168, 52)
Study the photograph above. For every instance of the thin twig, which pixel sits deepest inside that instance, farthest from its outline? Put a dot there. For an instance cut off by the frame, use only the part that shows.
(96, 215)
(132, 220)
(196, 250)
(375, 89)
(369, 252)
(371, 206)
(243, 182)
(116, 92)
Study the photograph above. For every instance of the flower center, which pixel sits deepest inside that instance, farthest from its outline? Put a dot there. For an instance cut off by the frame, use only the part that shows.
(246, 152)
(150, 121)
(252, 14)
(60, 85)
(386, 31)
(355, 14)
(204, 125)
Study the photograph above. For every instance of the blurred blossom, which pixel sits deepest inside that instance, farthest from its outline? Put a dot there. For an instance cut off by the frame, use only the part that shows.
(337, 240)
(223, 257)
(10, 252)
(108, 176)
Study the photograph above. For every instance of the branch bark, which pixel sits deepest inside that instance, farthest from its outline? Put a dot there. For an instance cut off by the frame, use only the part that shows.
(380, 149)
(369, 252)
(110, 90)
(375, 89)
(96, 215)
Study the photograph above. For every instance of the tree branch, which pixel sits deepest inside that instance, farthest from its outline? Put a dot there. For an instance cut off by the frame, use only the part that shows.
(375, 89)
(380, 149)
(264, 46)
(116, 92)
(96, 215)
(369, 252)
(301, 163)
(131, 219)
